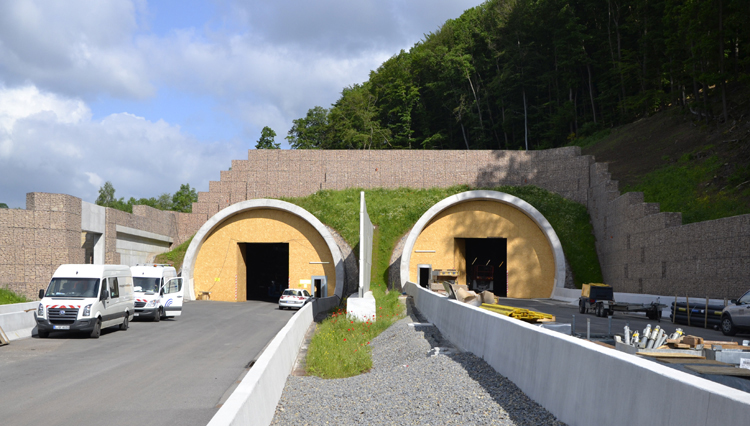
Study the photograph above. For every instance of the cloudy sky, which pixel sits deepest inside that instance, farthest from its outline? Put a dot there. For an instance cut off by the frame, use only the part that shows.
(152, 94)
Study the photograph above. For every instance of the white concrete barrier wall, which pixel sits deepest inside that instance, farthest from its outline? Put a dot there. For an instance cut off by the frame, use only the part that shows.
(254, 400)
(15, 322)
(579, 382)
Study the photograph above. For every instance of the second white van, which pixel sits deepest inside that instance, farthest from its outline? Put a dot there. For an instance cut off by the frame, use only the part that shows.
(158, 291)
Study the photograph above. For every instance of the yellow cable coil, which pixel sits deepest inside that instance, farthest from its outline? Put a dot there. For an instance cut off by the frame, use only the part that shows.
(517, 313)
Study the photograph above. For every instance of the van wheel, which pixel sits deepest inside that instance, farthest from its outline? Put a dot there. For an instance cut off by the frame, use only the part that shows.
(43, 334)
(157, 316)
(97, 331)
(124, 325)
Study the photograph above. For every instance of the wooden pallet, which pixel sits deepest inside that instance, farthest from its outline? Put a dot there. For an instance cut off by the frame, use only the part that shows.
(693, 361)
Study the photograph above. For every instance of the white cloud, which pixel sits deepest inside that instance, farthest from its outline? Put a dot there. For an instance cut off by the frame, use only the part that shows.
(62, 150)
(255, 63)
(75, 47)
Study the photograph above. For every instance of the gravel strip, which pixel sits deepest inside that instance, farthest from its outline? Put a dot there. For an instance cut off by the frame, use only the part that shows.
(410, 385)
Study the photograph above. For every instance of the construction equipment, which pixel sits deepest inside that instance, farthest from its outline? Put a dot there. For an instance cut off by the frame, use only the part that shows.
(519, 313)
(600, 299)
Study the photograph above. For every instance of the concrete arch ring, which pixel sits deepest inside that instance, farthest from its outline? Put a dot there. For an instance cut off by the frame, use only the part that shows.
(212, 223)
(499, 197)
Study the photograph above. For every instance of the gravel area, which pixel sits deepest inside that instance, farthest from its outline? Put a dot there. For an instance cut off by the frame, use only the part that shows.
(418, 378)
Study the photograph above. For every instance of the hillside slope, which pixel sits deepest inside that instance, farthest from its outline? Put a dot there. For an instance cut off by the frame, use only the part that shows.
(688, 166)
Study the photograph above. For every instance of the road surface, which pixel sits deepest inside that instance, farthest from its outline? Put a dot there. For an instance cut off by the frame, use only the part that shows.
(174, 372)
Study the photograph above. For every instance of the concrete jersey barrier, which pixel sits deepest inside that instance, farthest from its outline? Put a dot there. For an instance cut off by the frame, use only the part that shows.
(254, 400)
(16, 322)
(580, 382)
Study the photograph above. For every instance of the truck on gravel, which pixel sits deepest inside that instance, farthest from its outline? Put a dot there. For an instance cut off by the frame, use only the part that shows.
(600, 299)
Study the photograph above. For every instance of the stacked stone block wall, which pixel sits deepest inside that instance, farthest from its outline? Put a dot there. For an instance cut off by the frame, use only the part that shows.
(296, 173)
(35, 241)
(643, 250)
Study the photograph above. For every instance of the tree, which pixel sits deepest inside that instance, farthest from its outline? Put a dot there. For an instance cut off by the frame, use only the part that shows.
(311, 131)
(3, 206)
(164, 202)
(106, 195)
(266, 139)
(182, 200)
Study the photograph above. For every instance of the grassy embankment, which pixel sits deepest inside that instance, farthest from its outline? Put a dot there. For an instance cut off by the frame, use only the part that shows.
(7, 297)
(340, 347)
(682, 187)
(701, 171)
(176, 256)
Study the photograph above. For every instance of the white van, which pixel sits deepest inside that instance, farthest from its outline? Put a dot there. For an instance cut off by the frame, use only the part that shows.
(158, 291)
(86, 298)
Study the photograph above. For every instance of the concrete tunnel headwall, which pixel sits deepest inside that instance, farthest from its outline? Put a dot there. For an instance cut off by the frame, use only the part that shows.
(217, 259)
(528, 251)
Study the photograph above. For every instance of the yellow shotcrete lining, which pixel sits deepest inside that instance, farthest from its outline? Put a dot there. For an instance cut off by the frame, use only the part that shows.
(530, 261)
(220, 268)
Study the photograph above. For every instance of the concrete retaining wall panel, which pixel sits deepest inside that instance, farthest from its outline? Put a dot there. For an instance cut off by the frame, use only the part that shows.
(564, 374)
(254, 400)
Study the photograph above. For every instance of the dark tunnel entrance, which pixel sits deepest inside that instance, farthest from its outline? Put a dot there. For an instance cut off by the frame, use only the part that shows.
(487, 265)
(267, 266)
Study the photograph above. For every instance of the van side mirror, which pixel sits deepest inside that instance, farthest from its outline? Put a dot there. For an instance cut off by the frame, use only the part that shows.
(41, 293)
(105, 295)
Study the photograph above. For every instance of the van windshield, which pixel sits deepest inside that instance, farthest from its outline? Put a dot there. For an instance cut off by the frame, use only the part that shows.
(143, 284)
(73, 287)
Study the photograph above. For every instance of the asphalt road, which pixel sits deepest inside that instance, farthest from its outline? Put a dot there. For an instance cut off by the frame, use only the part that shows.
(564, 312)
(174, 372)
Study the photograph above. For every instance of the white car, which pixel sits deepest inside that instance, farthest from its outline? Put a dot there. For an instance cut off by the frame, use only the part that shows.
(293, 298)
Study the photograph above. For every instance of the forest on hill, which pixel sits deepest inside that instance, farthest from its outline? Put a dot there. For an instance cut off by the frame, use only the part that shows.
(536, 74)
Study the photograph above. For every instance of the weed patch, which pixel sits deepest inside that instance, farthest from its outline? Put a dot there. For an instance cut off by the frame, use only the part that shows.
(8, 297)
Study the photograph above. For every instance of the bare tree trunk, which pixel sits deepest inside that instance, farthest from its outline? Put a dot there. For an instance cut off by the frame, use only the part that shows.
(525, 120)
(466, 141)
(721, 60)
(476, 99)
(591, 93)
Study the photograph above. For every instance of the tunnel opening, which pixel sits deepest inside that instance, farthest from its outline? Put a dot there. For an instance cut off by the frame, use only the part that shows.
(267, 270)
(487, 265)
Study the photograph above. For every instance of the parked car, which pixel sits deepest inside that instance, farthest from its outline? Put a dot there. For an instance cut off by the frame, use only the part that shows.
(736, 316)
(293, 298)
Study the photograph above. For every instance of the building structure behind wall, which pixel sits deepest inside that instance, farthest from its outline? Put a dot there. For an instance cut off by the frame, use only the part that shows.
(641, 249)
(56, 229)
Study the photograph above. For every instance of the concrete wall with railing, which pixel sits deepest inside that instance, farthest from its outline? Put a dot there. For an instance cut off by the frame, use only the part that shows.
(580, 382)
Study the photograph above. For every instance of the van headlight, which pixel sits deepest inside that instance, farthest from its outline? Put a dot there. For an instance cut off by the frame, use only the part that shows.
(86, 311)
(40, 311)
(152, 303)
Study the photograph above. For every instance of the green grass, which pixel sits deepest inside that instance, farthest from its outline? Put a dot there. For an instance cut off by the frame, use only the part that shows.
(591, 139)
(394, 212)
(7, 297)
(175, 256)
(681, 187)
